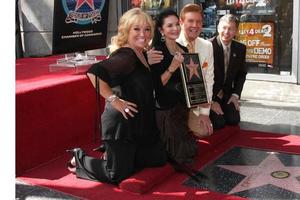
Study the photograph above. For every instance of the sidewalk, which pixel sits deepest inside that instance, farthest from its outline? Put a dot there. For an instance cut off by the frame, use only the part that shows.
(271, 91)
(270, 107)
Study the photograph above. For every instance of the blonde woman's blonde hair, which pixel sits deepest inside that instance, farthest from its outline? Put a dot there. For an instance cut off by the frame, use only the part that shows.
(128, 19)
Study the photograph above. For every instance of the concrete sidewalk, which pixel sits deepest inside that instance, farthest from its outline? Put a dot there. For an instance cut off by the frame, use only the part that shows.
(271, 91)
(270, 107)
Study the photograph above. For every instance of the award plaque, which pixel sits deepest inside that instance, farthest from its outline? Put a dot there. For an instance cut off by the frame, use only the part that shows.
(193, 81)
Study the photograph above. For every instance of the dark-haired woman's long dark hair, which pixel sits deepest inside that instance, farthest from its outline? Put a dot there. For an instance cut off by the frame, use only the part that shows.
(159, 20)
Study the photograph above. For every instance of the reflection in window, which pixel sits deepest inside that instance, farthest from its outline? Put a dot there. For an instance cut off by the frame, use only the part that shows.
(272, 55)
(153, 7)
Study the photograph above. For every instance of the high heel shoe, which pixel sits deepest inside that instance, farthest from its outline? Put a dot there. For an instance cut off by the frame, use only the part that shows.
(78, 168)
(100, 148)
(72, 151)
(71, 167)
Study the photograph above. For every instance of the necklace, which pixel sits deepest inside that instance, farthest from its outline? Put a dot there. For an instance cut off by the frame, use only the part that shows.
(173, 48)
(140, 56)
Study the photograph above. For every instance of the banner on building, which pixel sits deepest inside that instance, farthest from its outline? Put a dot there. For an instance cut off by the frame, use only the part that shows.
(259, 39)
(79, 25)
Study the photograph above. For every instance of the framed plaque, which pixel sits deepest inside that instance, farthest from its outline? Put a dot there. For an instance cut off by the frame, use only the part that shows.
(193, 81)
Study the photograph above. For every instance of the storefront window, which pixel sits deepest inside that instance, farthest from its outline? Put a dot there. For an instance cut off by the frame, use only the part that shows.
(266, 28)
(153, 7)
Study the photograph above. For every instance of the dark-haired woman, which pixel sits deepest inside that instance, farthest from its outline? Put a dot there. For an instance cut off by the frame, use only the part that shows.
(172, 112)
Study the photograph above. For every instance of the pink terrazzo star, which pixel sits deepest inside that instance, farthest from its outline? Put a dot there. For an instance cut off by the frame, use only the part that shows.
(262, 175)
(193, 69)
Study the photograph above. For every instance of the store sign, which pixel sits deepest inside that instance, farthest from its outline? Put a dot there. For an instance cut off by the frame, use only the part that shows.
(259, 39)
(232, 2)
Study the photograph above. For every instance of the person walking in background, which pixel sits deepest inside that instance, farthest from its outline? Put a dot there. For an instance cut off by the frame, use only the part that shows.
(172, 112)
(230, 73)
(129, 131)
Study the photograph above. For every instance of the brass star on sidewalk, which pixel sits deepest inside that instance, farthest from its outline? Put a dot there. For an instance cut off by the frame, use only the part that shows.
(192, 69)
(269, 171)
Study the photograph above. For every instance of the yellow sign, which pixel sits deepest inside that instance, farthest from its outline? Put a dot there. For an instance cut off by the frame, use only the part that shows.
(259, 39)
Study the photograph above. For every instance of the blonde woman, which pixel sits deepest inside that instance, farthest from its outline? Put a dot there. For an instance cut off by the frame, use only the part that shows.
(129, 132)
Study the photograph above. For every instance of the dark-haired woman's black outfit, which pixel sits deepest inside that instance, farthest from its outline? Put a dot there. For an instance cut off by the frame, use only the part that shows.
(172, 112)
(130, 144)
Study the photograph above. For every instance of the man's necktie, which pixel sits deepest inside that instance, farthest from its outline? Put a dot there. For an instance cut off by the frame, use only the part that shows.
(226, 61)
(190, 47)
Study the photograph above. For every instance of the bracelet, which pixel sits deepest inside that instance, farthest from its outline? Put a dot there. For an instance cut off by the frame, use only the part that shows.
(112, 98)
(168, 70)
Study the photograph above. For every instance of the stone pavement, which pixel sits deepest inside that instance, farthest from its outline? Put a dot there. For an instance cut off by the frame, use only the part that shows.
(271, 107)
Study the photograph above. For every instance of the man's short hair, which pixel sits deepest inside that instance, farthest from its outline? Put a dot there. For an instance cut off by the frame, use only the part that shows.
(230, 18)
(191, 7)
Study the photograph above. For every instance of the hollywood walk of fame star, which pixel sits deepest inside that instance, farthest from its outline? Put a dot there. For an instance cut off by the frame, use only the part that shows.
(79, 3)
(193, 69)
(263, 174)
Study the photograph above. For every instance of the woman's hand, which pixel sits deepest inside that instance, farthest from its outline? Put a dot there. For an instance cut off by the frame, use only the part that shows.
(176, 62)
(125, 107)
(154, 56)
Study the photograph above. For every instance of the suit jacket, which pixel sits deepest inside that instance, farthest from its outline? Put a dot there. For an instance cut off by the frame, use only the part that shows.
(205, 52)
(236, 72)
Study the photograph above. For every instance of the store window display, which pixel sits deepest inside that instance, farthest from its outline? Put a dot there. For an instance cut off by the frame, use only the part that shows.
(266, 29)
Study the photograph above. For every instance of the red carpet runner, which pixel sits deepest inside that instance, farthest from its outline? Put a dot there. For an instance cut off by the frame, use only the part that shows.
(55, 175)
(55, 112)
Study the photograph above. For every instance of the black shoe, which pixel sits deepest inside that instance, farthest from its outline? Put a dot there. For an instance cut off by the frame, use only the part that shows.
(73, 151)
(101, 148)
(70, 166)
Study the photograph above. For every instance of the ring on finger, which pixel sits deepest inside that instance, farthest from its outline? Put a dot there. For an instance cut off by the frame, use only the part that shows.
(126, 110)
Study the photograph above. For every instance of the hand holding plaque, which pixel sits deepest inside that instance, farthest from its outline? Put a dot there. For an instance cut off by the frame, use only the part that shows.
(193, 81)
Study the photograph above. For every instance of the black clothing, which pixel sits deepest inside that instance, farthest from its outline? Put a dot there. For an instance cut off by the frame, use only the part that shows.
(231, 84)
(131, 144)
(123, 158)
(168, 95)
(131, 81)
(236, 72)
(172, 112)
(231, 115)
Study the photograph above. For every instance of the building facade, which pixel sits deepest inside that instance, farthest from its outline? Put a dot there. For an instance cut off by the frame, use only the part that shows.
(269, 28)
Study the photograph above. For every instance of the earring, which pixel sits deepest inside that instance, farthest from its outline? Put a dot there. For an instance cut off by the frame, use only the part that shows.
(162, 39)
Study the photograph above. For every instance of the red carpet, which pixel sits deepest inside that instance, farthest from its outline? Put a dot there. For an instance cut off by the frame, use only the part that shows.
(54, 111)
(55, 175)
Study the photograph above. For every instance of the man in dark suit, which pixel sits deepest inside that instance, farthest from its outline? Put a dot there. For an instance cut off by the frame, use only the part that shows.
(229, 73)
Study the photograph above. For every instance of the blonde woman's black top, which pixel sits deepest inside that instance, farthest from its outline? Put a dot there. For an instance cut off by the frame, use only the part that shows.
(131, 81)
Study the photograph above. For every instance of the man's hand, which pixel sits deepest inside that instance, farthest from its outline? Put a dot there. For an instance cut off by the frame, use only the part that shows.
(205, 105)
(205, 122)
(233, 99)
(215, 106)
(154, 56)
